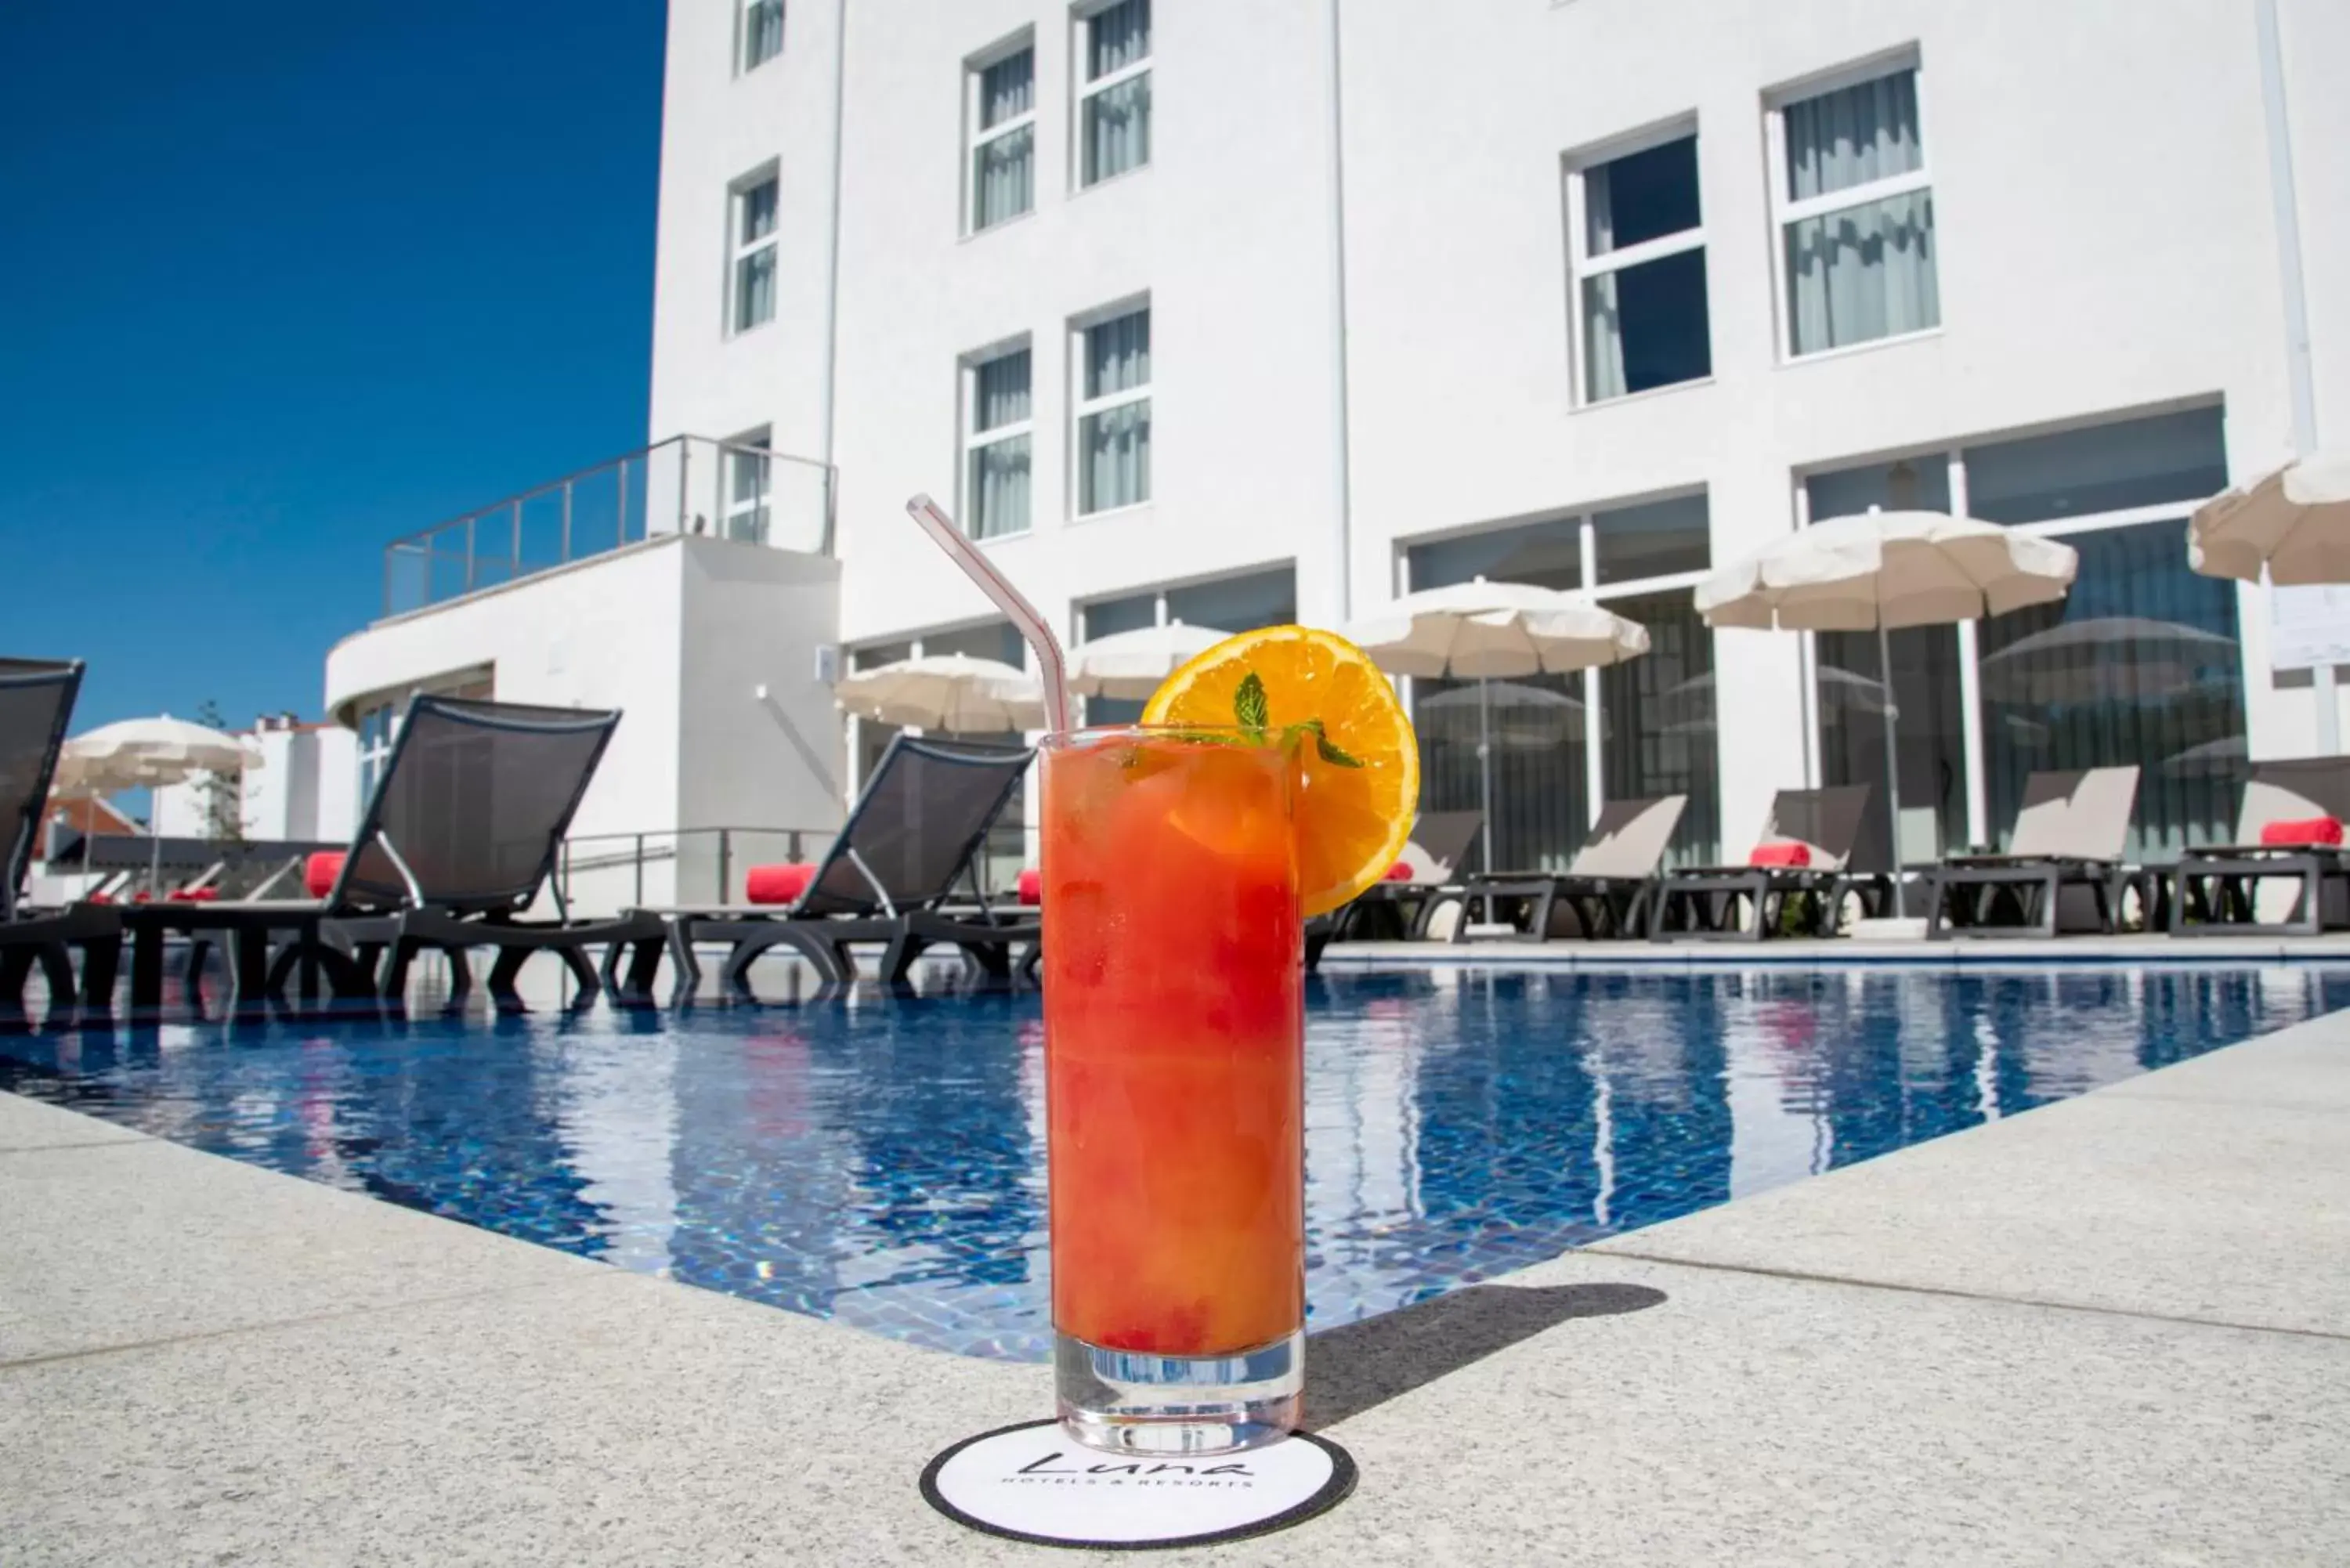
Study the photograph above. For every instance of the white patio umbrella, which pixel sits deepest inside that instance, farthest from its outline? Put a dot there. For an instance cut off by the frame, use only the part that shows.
(1887, 570)
(150, 752)
(1132, 664)
(1482, 631)
(2295, 522)
(945, 692)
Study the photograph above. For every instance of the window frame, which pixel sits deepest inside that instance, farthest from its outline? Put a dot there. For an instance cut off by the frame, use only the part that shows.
(973, 441)
(1084, 89)
(1581, 265)
(1786, 211)
(976, 138)
(741, 250)
(747, 30)
(1082, 407)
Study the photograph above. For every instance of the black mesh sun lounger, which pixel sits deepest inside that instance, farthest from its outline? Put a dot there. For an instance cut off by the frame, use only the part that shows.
(890, 876)
(37, 701)
(456, 844)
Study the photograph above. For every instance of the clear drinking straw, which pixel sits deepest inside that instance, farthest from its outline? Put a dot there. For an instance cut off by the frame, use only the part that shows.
(1050, 662)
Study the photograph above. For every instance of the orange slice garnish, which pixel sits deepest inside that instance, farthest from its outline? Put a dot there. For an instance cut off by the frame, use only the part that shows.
(1359, 769)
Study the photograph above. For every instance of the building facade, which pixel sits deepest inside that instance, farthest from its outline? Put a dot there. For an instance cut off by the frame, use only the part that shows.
(1235, 314)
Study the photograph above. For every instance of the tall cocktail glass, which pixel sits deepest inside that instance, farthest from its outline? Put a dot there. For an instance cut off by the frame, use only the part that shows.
(1174, 1044)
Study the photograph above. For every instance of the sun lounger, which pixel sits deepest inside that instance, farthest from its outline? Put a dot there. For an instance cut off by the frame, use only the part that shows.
(1399, 909)
(1606, 888)
(37, 701)
(455, 847)
(891, 877)
(1808, 848)
(2217, 886)
(2068, 835)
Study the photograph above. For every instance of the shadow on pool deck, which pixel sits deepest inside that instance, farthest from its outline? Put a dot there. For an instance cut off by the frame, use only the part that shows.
(1360, 1366)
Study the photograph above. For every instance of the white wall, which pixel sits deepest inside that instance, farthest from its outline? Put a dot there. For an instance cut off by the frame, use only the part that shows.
(676, 632)
(717, 127)
(600, 633)
(755, 619)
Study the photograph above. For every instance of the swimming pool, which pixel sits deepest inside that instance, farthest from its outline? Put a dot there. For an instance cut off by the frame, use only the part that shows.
(880, 1162)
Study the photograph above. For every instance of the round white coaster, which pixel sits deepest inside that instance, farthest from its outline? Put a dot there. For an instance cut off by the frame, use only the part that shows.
(1034, 1482)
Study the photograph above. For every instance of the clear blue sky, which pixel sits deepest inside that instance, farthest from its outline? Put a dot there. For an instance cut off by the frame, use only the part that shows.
(279, 282)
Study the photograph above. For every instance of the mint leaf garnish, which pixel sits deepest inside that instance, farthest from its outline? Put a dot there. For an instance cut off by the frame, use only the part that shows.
(1324, 746)
(1330, 752)
(1249, 706)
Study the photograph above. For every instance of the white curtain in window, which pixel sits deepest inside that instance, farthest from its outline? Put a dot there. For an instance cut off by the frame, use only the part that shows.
(1603, 329)
(763, 32)
(1114, 458)
(1118, 129)
(1116, 38)
(1000, 396)
(1007, 89)
(1852, 136)
(1003, 177)
(1118, 355)
(755, 288)
(1865, 273)
(1602, 339)
(999, 488)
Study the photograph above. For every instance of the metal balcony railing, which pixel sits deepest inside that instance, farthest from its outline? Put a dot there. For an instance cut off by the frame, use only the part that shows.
(687, 484)
(602, 873)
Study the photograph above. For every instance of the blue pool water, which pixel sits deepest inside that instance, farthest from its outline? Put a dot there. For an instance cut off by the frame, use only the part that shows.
(881, 1162)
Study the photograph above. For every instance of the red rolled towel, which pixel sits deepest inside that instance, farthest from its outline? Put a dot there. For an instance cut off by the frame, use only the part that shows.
(2307, 830)
(776, 884)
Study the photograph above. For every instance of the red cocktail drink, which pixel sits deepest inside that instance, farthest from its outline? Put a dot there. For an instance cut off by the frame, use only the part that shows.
(1174, 1048)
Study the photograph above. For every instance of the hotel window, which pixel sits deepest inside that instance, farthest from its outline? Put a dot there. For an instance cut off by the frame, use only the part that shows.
(763, 32)
(2140, 664)
(1114, 98)
(997, 421)
(1001, 122)
(754, 226)
(1638, 244)
(746, 487)
(1652, 719)
(1113, 412)
(1854, 211)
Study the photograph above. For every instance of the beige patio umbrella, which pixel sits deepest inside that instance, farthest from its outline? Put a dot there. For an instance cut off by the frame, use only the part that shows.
(1483, 631)
(131, 753)
(1886, 570)
(1132, 664)
(945, 692)
(2295, 522)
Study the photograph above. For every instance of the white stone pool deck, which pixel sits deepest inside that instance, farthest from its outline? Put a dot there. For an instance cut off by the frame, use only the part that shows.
(2113, 1330)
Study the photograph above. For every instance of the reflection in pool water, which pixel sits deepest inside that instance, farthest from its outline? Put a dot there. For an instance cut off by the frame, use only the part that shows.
(881, 1162)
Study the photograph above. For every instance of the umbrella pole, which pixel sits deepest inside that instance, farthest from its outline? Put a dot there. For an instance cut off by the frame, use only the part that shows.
(1486, 766)
(1892, 769)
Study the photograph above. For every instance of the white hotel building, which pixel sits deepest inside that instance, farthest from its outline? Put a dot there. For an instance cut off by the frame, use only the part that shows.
(1238, 313)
